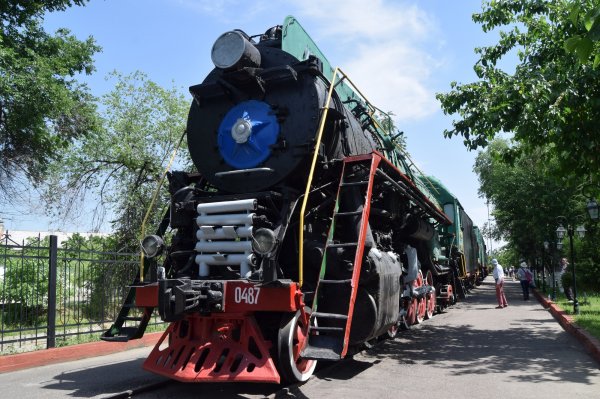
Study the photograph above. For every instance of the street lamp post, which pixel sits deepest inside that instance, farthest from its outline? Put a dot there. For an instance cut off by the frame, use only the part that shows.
(592, 204)
(592, 208)
(560, 234)
(543, 274)
(547, 248)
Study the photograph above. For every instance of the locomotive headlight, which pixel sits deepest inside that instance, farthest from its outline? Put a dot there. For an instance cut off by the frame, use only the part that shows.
(233, 50)
(152, 246)
(264, 241)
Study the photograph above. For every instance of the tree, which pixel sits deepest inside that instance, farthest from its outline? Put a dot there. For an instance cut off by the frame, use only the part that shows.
(99, 273)
(526, 197)
(550, 102)
(387, 124)
(585, 16)
(42, 106)
(117, 167)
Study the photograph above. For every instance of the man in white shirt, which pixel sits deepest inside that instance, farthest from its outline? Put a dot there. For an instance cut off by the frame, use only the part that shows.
(498, 274)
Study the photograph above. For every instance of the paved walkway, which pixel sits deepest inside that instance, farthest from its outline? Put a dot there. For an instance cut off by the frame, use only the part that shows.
(473, 351)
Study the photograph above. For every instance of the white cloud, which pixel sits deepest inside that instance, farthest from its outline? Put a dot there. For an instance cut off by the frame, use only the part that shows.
(372, 20)
(210, 7)
(394, 79)
(383, 48)
(227, 11)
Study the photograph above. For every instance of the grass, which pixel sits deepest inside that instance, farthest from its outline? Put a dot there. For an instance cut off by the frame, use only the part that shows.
(589, 311)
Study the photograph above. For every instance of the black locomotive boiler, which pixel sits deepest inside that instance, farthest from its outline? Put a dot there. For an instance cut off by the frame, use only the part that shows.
(303, 234)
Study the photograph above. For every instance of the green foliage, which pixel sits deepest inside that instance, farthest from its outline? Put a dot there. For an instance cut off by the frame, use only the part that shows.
(585, 17)
(550, 102)
(19, 12)
(42, 106)
(526, 197)
(121, 164)
(107, 284)
(24, 285)
(586, 273)
(92, 279)
(99, 276)
(506, 256)
(587, 257)
(387, 124)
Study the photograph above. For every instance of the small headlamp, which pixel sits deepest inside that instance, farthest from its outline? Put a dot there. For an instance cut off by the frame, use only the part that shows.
(264, 241)
(152, 246)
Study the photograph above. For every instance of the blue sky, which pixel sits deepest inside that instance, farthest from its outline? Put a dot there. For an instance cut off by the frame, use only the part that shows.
(399, 53)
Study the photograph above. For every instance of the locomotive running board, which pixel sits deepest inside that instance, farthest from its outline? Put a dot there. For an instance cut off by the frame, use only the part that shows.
(217, 348)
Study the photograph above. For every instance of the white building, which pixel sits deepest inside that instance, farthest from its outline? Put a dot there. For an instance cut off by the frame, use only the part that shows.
(19, 237)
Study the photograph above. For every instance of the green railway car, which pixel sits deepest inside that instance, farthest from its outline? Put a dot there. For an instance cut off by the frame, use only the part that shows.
(481, 253)
(461, 241)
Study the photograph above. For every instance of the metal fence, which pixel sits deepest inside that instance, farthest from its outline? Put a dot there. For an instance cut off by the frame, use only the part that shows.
(49, 293)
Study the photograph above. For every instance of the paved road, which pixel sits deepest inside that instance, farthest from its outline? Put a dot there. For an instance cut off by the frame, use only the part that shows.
(471, 351)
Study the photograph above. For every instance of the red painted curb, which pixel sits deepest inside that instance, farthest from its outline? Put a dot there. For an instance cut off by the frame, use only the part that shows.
(44, 357)
(591, 343)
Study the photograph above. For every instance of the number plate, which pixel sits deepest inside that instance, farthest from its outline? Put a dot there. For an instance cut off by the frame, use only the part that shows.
(242, 296)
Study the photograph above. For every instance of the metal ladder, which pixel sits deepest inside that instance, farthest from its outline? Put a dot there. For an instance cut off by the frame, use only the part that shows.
(117, 332)
(327, 342)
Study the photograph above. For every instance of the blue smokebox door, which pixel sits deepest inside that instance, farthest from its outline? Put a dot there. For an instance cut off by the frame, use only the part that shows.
(247, 133)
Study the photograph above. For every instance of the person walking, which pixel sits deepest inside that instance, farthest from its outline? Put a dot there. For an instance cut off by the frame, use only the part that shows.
(564, 263)
(525, 277)
(498, 274)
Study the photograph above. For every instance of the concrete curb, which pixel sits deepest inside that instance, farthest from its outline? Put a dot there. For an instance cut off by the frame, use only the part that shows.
(44, 357)
(591, 344)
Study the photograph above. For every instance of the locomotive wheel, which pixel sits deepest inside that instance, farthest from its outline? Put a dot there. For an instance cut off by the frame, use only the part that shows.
(403, 322)
(393, 330)
(454, 298)
(421, 302)
(292, 338)
(421, 310)
(411, 314)
(431, 297)
(459, 288)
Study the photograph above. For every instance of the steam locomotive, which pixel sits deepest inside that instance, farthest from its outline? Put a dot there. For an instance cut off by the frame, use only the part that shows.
(305, 233)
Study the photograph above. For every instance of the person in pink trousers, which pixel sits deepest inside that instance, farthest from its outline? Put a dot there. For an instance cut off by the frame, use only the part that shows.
(499, 278)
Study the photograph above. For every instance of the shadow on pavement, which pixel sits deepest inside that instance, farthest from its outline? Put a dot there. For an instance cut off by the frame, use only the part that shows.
(470, 351)
(530, 343)
(84, 383)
